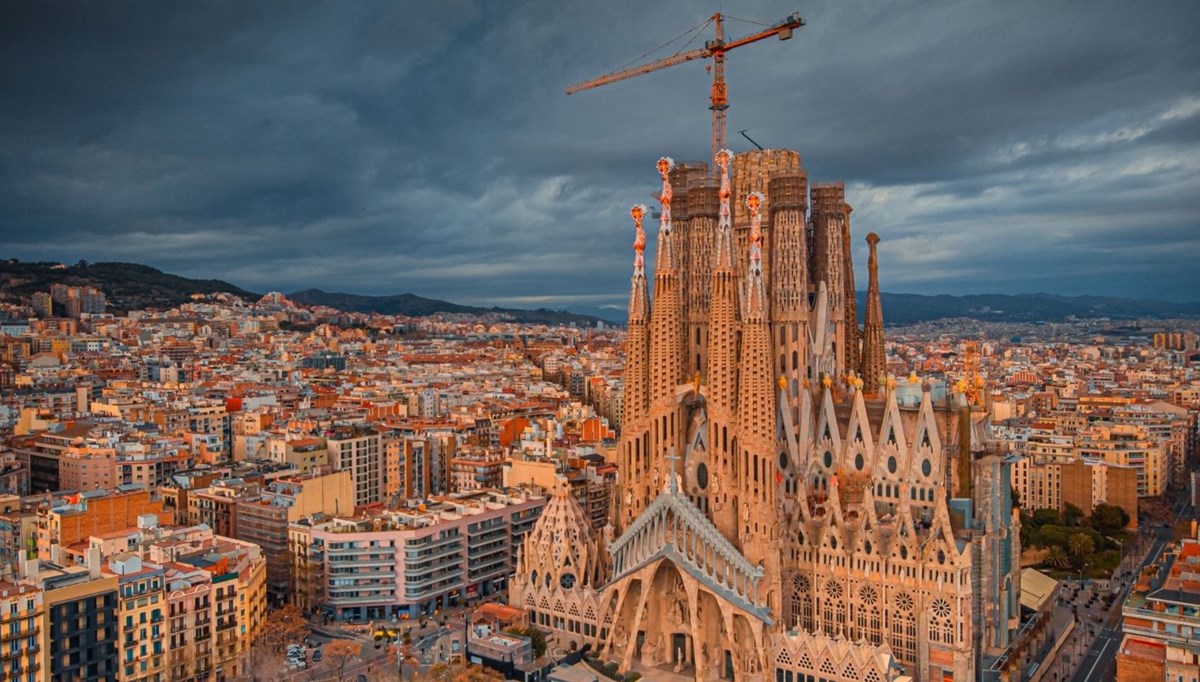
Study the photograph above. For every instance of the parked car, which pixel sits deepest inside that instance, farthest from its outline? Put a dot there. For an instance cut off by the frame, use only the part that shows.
(317, 656)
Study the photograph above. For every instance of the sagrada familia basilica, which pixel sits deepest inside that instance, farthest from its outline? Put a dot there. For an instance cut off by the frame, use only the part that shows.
(783, 504)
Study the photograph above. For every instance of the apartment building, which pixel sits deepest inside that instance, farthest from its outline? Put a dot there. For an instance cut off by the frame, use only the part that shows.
(414, 561)
(1161, 619)
(1128, 445)
(79, 622)
(21, 640)
(91, 513)
(360, 453)
(264, 521)
(1088, 482)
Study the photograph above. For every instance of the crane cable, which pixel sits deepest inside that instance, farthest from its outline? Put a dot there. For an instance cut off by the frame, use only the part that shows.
(694, 29)
(756, 23)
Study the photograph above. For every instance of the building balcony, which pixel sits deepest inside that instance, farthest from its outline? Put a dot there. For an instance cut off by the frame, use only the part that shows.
(485, 550)
(379, 600)
(495, 536)
(431, 543)
(422, 575)
(487, 526)
(1179, 638)
(477, 570)
(390, 561)
(432, 556)
(358, 551)
(7, 635)
(356, 575)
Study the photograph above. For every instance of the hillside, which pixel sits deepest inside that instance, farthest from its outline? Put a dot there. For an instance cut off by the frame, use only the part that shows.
(909, 308)
(129, 286)
(417, 306)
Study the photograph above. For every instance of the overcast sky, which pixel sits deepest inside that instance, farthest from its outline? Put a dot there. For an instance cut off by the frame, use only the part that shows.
(996, 147)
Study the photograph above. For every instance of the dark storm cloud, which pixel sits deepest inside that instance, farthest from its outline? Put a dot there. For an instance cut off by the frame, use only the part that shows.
(428, 147)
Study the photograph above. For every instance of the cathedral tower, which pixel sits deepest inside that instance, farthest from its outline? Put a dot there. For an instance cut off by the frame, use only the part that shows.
(721, 394)
(829, 216)
(635, 442)
(666, 349)
(775, 518)
(789, 286)
(873, 363)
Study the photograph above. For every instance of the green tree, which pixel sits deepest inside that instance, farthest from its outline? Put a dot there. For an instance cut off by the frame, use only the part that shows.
(1072, 515)
(1057, 557)
(1050, 535)
(1081, 545)
(1046, 517)
(536, 637)
(1109, 519)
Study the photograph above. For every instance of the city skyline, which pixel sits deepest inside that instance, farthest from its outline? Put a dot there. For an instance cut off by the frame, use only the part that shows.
(994, 149)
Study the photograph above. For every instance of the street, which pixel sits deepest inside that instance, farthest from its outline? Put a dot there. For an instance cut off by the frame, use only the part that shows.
(1100, 661)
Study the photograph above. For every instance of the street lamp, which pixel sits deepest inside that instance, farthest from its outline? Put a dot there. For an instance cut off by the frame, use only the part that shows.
(399, 655)
(1121, 547)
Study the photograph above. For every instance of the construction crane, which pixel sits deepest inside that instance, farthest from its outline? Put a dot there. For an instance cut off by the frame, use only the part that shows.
(714, 49)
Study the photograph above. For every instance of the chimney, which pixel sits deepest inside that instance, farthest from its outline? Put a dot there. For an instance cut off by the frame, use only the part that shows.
(93, 560)
(29, 569)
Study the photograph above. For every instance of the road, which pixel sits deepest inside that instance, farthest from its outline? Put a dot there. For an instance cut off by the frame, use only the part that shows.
(1100, 660)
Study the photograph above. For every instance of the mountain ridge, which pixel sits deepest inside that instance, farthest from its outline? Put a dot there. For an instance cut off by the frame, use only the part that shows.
(1038, 307)
(131, 286)
(412, 305)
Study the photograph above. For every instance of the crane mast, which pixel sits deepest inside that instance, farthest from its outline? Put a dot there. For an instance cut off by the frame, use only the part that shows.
(714, 49)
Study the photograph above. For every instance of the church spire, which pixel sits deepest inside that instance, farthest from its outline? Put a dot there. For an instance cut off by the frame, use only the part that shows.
(665, 255)
(873, 362)
(638, 297)
(724, 259)
(723, 363)
(754, 305)
(666, 368)
(636, 378)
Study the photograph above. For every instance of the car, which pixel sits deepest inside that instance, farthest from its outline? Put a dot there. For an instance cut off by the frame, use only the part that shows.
(316, 656)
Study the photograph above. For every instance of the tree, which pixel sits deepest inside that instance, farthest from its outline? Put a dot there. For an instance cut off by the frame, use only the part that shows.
(1109, 519)
(262, 663)
(459, 672)
(1072, 515)
(339, 653)
(1057, 557)
(1046, 517)
(1081, 545)
(283, 626)
(537, 639)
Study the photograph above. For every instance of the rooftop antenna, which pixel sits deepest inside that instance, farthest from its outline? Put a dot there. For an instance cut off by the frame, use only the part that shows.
(743, 134)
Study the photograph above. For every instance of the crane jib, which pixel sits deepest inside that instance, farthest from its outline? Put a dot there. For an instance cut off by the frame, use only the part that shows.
(714, 49)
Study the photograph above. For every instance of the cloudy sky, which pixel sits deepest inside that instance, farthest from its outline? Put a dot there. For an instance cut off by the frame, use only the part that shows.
(427, 146)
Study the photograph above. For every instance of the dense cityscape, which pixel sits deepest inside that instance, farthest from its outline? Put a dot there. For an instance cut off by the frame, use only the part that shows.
(736, 464)
(181, 480)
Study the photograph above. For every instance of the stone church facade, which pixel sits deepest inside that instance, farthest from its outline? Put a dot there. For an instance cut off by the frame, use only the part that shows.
(782, 511)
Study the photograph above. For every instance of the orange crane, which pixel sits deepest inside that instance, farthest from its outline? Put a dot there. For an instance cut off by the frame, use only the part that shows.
(714, 49)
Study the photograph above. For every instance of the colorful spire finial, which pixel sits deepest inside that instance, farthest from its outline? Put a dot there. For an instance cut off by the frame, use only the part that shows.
(754, 204)
(755, 289)
(665, 259)
(638, 212)
(724, 224)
